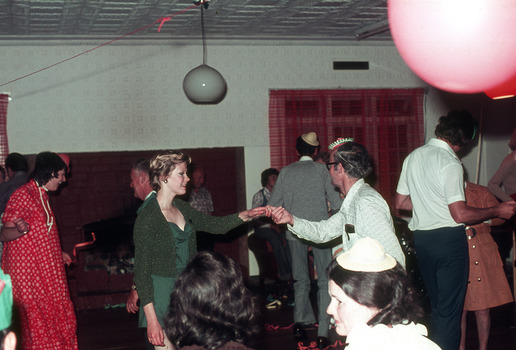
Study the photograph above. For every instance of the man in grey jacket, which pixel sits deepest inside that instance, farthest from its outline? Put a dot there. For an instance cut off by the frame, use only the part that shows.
(304, 187)
(364, 212)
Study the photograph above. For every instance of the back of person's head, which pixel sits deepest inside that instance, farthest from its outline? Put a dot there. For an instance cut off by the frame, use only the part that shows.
(355, 160)
(264, 178)
(457, 127)
(141, 165)
(16, 162)
(307, 144)
(162, 164)
(388, 290)
(48, 164)
(322, 157)
(210, 304)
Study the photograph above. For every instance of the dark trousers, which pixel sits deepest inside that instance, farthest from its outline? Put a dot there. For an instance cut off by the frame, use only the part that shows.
(443, 260)
(279, 248)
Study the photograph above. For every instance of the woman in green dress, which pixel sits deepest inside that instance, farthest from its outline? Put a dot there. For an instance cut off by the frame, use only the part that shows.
(164, 239)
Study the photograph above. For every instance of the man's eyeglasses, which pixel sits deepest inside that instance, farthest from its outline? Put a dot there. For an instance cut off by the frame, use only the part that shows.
(329, 164)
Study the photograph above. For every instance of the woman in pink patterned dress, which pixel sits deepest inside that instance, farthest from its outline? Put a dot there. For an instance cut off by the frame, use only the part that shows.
(34, 259)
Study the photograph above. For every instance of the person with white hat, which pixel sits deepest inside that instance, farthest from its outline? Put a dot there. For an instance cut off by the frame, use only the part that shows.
(304, 187)
(373, 302)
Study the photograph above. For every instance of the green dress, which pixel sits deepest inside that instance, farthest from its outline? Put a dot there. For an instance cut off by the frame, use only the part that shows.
(162, 250)
(163, 286)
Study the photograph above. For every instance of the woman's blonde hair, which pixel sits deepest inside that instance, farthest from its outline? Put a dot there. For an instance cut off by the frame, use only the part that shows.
(162, 164)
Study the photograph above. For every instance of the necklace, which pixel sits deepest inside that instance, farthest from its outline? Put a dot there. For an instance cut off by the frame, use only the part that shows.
(50, 218)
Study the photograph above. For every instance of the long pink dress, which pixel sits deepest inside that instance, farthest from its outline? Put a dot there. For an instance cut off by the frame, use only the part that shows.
(487, 283)
(35, 263)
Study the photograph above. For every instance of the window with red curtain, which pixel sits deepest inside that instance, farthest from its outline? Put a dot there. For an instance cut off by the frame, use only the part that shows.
(4, 145)
(388, 122)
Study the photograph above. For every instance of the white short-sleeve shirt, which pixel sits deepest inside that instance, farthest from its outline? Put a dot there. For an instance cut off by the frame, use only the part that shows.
(433, 177)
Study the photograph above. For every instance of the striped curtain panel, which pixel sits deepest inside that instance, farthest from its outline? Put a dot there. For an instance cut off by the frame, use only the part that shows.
(388, 122)
(4, 145)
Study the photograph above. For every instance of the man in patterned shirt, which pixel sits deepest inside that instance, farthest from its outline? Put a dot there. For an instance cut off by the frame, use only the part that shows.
(364, 212)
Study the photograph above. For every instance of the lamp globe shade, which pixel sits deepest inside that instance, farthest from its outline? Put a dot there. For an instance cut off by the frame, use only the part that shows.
(461, 46)
(204, 85)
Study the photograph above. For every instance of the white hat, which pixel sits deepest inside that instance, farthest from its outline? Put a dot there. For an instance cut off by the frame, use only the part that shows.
(366, 255)
(310, 138)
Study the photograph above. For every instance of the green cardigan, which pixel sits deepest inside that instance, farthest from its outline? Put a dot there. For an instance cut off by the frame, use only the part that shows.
(155, 251)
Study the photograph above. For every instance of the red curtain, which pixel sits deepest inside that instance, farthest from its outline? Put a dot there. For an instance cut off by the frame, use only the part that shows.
(388, 122)
(4, 145)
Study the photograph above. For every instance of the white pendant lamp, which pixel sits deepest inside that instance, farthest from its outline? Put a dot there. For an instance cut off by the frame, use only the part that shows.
(204, 84)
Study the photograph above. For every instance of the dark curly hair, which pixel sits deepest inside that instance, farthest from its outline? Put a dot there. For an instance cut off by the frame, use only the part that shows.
(389, 291)
(457, 127)
(355, 160)
(210, 304)
(264, 177)
(48, 164)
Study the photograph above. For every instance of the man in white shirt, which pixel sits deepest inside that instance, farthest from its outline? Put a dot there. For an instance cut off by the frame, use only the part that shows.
(364, 212)
(432, 186)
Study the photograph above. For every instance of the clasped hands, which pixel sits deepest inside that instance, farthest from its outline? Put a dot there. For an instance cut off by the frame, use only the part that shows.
(278, 214)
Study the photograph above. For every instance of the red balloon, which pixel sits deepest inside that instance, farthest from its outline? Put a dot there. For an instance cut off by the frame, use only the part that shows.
(504, 90)
(462, 46)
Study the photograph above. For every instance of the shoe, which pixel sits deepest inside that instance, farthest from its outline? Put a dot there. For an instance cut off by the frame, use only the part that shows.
(322, 343)
(299, 331)
(273, 304)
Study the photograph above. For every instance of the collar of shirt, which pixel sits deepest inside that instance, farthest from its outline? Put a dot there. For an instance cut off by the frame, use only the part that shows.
(443, 145)
(148, 195)
(352, 192)
(306, 159)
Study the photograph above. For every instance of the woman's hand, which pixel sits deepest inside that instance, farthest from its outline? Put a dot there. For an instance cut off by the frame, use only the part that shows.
(132, 302)
(247, 215)
(67, 259)
(21, 225)
(154, 330)
(155, 334)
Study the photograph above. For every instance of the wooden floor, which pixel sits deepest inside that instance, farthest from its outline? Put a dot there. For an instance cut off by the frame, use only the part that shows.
(114, 328)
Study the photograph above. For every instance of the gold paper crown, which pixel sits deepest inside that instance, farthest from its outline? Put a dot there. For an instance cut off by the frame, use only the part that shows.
(338, 142)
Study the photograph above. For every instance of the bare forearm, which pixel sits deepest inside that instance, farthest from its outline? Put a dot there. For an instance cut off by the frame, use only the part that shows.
(465, 214)
(473, 216)
(403, 202)
(9, 234)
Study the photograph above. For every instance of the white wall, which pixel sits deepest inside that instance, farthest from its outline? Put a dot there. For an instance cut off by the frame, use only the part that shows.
(128, 95)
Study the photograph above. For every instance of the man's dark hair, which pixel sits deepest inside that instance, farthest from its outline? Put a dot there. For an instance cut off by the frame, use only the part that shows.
(16, 162)
(266, 173)
(355, 160)
(210, 304)
(389, 291)
(303, 148)
(323, 157)
(457, 127)
(48, 164)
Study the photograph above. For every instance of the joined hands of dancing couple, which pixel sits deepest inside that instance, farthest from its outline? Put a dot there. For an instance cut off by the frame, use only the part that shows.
(280, 215)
